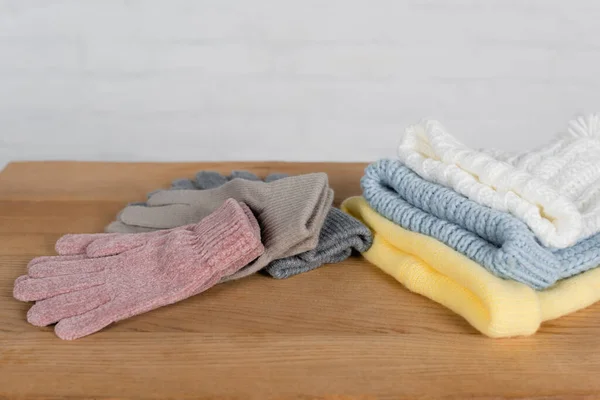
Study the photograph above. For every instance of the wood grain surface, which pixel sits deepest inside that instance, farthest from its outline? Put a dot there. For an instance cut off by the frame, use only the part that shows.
(344, 331)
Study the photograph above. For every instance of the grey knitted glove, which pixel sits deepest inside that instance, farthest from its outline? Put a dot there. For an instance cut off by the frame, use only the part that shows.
(213, 179)
(341, 233)
(290, 211)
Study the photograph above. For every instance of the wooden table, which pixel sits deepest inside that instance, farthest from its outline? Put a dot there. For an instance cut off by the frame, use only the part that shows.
(345, 331)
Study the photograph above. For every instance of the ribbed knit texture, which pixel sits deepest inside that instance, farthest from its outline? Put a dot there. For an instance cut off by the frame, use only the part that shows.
(340, 235)
(498, 241)
(103, 278)
(290, 211)
(555, 190)
(494, 306)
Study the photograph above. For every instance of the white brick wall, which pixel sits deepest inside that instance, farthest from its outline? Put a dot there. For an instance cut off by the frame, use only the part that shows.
(287, 80)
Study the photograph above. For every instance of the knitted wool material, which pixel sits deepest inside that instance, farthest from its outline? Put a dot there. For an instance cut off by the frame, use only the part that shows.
(494, 306)
(212, 179)
(555, 190)
(290, 211)
(496, 240)
(101, 278)
(340, 235)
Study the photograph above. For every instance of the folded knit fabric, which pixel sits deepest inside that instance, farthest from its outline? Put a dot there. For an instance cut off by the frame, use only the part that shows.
(498, 241)
(494, 306)
(101, 278)
(339, 236)
(555, 190)
(290, 211)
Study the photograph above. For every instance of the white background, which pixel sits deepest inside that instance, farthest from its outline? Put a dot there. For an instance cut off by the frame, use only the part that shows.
(287, 80)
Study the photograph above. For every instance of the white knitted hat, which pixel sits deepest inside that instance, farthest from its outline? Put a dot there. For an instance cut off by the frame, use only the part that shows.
(554, 189)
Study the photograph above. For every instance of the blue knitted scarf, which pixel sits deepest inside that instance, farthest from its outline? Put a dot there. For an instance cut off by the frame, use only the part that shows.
(499, 242)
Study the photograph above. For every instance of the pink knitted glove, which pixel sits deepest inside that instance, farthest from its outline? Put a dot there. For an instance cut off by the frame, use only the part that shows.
(100, 279)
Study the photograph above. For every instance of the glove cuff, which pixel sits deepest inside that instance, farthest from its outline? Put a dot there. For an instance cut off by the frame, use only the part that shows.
(229, 238)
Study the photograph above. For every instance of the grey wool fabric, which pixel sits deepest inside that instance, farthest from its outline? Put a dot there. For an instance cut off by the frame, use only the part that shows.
(339, 236)
(341, 233)
(291, 212)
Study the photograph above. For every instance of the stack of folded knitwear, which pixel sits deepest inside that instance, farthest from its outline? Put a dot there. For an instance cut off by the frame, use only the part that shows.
(183, 240)
(507, 241)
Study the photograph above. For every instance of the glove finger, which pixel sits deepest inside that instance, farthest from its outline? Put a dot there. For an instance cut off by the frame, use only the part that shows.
(116, 245)
(183, 184)
(275, 177)
(119, 227)
(161, 217)
(21, 279)
(85, 324)
(249, 176)
(148, 195)
(44, 259)
(52, 268)
(33, 289)
(209, 180)
(169, 197)
(49, 311)
(76, 243)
